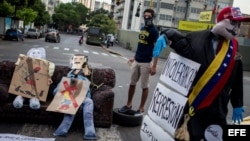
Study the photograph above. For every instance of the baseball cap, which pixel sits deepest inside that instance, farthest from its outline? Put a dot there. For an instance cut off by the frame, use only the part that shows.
(232, 13)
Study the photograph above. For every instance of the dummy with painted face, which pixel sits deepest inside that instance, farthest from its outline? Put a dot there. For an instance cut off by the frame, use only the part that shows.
(80, 61)
(37, 53)
(228, 22)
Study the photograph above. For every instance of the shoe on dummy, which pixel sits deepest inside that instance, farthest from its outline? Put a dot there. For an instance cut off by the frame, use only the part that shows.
(34, 103)
(18, 102)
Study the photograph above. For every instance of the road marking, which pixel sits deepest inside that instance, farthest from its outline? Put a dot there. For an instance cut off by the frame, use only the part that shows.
(76, 50)
(56, 47)
(66, 49)
(68, 54)
(85, 51)
(105, 54)
(94, 52)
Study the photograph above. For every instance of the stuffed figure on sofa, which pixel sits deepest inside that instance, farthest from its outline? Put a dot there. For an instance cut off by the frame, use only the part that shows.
(79, 70)
(37, 53)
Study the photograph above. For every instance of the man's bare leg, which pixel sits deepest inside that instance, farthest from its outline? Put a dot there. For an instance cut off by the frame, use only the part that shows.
(131, 92)
(143, 99)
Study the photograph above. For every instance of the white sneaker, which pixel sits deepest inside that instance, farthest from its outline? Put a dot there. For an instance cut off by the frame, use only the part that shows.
(18, 102)
(34, 103)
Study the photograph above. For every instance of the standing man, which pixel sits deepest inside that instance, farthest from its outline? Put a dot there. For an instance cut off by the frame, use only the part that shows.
(141, 67)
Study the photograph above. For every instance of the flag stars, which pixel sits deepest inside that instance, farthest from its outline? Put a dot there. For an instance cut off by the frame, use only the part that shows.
(228, 55)
(224, 64)
(219, 74)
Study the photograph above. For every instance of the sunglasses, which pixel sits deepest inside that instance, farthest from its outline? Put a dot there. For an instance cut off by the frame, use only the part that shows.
(235, 23)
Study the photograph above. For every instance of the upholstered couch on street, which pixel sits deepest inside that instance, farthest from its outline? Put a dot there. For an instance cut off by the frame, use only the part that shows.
(102, 83)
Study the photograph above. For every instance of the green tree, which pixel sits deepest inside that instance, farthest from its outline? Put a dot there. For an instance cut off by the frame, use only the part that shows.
(43, 16)
(70, 14)
(27, 14)
(6, 9)
(103, 21)
(101, 11)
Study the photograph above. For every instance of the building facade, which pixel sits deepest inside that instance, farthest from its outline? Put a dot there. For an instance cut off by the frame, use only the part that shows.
(168, 12)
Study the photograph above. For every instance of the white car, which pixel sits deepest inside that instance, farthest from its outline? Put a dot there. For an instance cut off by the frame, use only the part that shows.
(33, 33)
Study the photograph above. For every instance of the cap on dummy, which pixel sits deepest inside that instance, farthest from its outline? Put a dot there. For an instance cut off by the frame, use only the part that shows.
(232, 13)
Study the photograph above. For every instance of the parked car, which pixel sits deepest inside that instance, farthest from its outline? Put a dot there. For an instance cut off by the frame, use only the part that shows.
(33, 33)
(15, 34)
(53, 36)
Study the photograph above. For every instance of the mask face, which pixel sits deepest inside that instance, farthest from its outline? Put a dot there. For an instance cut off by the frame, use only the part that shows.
(78, 61)
(148, 21)
(227, 28)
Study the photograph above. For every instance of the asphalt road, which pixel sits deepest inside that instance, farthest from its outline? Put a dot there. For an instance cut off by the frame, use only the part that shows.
(60, 53)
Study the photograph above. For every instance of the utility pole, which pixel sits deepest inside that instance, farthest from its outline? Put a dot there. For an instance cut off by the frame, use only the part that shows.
(151, 4)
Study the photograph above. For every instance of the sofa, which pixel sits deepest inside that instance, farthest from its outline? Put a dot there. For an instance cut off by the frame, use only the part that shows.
(102, 82)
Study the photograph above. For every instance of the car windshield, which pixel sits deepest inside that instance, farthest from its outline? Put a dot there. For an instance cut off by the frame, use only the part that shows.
(33, 30)
(94, 31)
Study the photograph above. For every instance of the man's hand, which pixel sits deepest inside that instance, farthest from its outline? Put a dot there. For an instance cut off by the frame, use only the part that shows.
(152, 70)
(237, 115)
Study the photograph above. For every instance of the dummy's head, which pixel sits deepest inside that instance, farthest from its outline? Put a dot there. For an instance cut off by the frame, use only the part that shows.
(148, 16)
(79, 61)
(38, 53)
(228, 22)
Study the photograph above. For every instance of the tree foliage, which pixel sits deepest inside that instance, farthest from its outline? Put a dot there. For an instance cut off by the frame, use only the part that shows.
(19, 9)
(27, 14)
(103, 21)
(6, 9)
(70, 14)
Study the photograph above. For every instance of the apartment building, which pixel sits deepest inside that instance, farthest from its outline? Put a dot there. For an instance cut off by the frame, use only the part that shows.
(168, 12)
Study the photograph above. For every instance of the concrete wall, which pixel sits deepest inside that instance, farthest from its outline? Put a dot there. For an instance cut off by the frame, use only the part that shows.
(128, 39)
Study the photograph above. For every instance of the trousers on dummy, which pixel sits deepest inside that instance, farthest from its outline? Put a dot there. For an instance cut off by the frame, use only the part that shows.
(89, 129)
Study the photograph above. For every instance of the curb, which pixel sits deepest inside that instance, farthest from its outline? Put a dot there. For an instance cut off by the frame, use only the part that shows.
(111, 51)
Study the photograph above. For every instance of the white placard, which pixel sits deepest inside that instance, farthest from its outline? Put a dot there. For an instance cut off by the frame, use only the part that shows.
(166, 108)
(150, 131)
(179, 73)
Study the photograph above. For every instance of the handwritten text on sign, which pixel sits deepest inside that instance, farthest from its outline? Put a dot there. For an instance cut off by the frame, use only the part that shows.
(179, 73)
(166, 108)
(150, 131)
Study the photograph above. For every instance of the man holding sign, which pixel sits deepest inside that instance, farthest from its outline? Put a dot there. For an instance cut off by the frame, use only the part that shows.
(219, 79)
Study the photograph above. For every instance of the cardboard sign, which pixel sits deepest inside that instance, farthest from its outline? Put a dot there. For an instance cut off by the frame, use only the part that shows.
(70, 95)
(150, 131)
(166, 108)
(30, 78)
(179, 73)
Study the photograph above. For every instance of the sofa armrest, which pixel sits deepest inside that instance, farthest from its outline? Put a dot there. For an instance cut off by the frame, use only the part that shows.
(102, 76)
(101, 95)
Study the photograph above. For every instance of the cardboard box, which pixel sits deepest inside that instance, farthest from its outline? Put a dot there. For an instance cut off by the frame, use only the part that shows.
(70, 95)
(31, 78)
